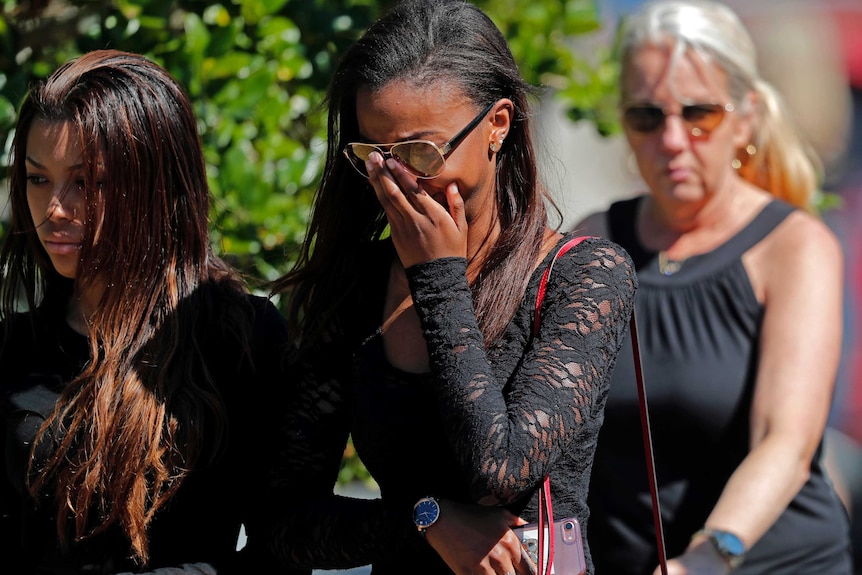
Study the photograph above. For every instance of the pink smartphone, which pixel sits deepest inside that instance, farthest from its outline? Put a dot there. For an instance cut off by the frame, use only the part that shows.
(568, 545)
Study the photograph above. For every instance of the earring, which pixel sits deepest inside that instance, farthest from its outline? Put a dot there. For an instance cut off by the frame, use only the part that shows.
(750, 149)
(495, 146)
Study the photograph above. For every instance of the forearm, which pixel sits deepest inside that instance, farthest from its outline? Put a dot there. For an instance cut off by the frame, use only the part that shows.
(340, 533)
(760, 489)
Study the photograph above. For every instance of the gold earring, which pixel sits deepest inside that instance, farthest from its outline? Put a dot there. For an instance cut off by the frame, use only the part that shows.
(750, 149)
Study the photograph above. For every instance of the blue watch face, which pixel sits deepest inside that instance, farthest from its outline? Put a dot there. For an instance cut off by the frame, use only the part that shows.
(425, 513)
(729, 544)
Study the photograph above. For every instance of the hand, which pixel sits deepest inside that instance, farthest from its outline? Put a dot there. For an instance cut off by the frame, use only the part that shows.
(477, 540)
(422, 228)
(699, 559)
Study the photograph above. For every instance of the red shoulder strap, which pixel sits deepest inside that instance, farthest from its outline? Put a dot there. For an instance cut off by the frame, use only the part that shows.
(543, 284)
(546, 517)
(546, 512)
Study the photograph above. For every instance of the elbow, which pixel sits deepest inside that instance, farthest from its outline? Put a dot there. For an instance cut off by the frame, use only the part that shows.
(499, 487)
(802, 474)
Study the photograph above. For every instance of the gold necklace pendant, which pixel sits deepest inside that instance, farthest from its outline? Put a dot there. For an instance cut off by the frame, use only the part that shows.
(667, 266)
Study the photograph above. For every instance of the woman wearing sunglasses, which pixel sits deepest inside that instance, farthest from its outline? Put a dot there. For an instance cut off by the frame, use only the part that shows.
(740, 306)
(414, 296)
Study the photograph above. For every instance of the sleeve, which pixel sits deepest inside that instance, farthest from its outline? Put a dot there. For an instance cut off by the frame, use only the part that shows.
(508, 434)
(10, 510)
(264, 407)
(11, 520)
(313, 527)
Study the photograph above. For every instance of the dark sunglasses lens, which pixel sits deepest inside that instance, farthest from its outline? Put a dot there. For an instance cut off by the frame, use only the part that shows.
(643, 119)
(421, 158)
(706, 117)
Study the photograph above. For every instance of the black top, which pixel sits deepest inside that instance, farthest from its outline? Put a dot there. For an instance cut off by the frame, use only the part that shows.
(202, 521)
(699, 330)
(482, 426)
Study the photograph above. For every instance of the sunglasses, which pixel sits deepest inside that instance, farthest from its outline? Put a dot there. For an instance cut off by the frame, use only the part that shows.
(701, 119)
(422, 158)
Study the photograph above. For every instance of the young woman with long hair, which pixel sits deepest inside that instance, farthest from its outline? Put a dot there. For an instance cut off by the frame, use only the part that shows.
(413, 301)
(136, 372)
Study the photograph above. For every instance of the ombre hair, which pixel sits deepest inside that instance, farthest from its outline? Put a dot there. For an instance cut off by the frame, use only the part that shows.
(129, 428)
(783, 164)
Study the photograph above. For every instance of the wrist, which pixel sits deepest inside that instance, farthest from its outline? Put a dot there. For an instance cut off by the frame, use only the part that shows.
(727, 545)
(426, 512)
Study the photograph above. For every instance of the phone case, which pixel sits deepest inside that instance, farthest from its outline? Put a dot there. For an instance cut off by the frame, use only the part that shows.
(568, 545)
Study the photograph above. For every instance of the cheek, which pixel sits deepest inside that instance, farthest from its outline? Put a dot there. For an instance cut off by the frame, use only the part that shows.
(644, 153)
(37, 207)
(714, 155)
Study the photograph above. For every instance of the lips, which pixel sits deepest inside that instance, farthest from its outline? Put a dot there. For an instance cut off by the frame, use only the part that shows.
(61, 245)
(60, 248)
(678, 174)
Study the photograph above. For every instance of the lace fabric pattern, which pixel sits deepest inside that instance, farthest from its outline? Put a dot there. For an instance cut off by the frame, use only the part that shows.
(483, 426)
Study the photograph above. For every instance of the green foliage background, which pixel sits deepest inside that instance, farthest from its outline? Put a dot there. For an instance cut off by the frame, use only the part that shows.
(256, 71)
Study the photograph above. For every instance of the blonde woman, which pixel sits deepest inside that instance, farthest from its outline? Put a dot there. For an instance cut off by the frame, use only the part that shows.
(740, 306)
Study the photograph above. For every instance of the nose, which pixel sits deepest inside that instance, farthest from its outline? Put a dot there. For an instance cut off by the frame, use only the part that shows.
(63, 205)
(675, 134)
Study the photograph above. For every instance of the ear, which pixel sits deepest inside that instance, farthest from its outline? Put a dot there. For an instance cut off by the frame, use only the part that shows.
(501, 117)
(746, 120)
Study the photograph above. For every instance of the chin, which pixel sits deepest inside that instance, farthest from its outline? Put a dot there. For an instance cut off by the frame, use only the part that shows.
(66, 269)
(684, 192)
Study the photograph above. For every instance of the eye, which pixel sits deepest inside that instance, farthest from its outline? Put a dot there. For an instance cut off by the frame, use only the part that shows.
(696, 113)
(36, 179)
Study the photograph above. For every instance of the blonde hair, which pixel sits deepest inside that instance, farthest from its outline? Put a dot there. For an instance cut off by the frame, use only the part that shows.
(783, 164)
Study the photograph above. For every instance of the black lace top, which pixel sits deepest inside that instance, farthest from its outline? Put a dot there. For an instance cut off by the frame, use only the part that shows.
(481, 426)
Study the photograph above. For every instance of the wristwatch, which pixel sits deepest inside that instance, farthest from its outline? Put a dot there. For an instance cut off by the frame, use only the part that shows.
(425, 513)
(727, 544)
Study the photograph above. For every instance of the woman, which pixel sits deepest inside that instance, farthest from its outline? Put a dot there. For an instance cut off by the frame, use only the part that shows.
(135, 370)
(414, 293)
(740, 313)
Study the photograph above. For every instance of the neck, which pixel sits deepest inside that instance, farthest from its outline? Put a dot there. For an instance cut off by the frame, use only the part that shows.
(686, 229)
(80, 310)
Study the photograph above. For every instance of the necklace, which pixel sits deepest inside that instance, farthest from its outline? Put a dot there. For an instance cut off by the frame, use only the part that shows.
(667, 266)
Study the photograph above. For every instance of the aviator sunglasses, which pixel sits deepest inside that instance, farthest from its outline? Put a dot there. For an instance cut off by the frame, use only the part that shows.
(701, 119)
(422, 158)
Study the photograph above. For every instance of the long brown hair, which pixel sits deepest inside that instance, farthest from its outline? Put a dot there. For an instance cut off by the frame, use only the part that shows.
(129, 428)
(425, 42)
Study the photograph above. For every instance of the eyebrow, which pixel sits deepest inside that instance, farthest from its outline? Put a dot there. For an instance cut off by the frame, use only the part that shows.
(425, 135)
(41, 167)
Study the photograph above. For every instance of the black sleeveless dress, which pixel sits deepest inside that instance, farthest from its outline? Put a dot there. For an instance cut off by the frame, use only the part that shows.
(699, 329)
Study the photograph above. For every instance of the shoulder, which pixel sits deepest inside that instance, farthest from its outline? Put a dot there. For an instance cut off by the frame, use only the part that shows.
(582, 247)
(18, 331)
(270, 325)
(801, 241)
(592, 260)
(801, 249)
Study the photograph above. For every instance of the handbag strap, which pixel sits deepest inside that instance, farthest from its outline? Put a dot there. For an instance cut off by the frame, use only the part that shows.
(546, 518)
